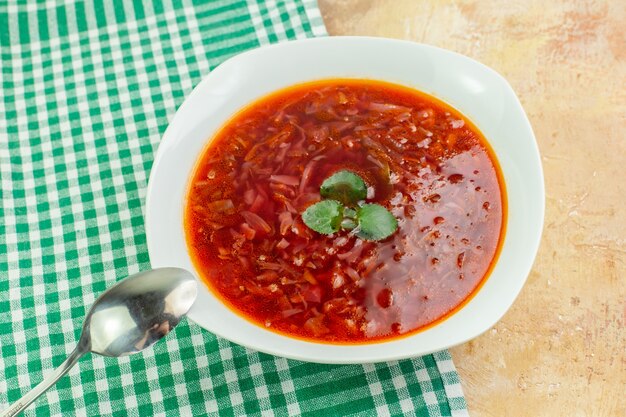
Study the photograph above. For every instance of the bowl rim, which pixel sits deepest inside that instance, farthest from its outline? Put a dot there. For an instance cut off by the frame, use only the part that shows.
(345, 352)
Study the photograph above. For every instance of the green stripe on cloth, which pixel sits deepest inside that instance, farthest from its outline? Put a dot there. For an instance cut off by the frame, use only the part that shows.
(87, 89)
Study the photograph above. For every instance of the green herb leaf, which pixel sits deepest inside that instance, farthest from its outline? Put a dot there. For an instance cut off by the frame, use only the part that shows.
(375, 222)
(324, 217)
(344, 186)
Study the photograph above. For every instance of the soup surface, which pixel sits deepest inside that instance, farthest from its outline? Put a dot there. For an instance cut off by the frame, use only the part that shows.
(420, 159)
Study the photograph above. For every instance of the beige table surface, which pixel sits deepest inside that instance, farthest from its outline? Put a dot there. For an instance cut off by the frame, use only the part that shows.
(561, 349)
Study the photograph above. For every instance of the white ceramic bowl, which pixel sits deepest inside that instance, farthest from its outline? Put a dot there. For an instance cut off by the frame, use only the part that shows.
(475, 90)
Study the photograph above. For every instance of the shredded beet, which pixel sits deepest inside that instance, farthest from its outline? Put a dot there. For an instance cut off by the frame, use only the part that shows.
(285, 179)
(256, 222)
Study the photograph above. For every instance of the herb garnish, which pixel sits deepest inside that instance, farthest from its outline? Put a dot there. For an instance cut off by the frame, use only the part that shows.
(345, 187)
(345, 209)
(375, 222)
(324, 217)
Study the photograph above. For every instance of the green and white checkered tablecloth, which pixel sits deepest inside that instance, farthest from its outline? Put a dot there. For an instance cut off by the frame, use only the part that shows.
(87, 89)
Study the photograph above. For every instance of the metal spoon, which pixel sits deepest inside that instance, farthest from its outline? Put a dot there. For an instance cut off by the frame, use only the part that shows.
(125, 319)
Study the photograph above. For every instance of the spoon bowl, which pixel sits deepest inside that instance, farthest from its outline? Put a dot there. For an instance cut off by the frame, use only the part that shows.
(138, 311)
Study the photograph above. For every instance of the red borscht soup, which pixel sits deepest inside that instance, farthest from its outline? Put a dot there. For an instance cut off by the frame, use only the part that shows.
(420, 159)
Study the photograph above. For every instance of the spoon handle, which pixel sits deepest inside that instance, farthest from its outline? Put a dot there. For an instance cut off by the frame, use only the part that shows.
(21, 404)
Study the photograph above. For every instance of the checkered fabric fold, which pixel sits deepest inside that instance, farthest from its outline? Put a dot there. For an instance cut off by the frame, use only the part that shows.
(87, 89)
